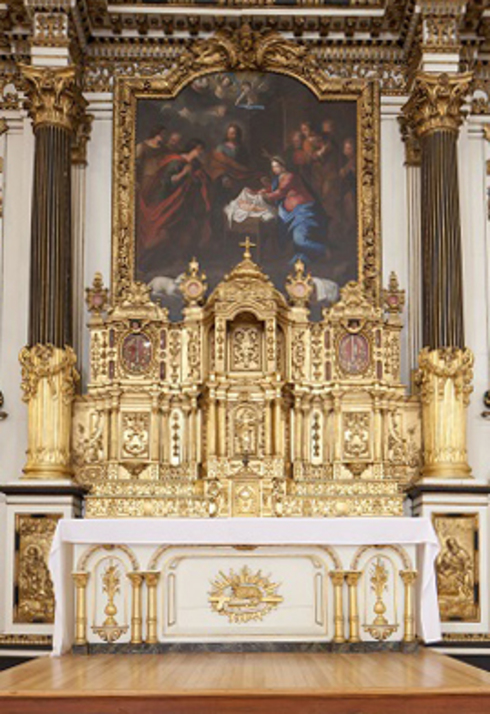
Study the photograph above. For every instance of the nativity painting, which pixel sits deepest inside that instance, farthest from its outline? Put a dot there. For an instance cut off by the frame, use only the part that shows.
(246, 154)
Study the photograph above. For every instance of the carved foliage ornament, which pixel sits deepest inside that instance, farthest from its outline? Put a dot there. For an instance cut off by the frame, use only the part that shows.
(453, 364)
(436, 101)
(245, 49)
(53, 96)
(48, 362)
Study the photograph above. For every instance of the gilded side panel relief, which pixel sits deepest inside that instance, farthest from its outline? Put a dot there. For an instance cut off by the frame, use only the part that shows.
(33, 595)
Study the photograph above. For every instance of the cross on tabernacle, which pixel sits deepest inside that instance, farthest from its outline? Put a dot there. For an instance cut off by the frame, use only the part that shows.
(247, 245)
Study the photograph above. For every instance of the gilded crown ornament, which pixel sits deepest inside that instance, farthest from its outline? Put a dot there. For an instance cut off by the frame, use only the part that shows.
(299, 285)
(97, 297)
(193, 286)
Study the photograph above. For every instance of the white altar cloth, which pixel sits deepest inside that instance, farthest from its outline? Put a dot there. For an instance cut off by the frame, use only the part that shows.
(244, 531)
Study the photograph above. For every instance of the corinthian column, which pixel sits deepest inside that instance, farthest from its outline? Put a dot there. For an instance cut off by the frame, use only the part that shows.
(434, 113)
(54, 103)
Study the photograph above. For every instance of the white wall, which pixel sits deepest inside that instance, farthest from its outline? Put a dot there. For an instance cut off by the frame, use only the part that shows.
(476, 267)
(14, 287)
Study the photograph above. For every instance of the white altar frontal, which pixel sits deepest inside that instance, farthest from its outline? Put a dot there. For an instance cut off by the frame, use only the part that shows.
(144, 584)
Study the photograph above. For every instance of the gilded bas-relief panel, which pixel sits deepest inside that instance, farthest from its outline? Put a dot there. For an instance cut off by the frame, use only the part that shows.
(457, 566)
(33, 588)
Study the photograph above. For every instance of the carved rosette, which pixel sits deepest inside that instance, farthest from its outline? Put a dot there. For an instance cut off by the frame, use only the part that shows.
(436, 101)
(54, 96)
(445, 379)
(49, 380)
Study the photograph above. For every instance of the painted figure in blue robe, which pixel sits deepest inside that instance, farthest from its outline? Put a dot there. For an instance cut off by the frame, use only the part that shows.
(302, 219)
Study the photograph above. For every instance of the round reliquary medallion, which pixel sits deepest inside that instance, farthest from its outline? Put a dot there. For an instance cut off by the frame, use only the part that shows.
(136, 353)
(354, 354)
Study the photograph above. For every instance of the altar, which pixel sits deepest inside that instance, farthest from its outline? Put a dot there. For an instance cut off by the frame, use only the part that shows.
(137, 583)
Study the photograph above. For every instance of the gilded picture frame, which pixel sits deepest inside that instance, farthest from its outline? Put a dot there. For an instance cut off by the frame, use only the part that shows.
(248, 51)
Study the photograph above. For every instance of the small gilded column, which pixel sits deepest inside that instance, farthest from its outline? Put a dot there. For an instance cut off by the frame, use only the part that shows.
(434, 114)
(352, 577)
(55, 104)
(80, 580)
(338, 577)
(151, 580)
(409, 577)
(136, 608)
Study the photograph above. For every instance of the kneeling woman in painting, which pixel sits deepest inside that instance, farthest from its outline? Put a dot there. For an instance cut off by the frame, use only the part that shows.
(301, 216)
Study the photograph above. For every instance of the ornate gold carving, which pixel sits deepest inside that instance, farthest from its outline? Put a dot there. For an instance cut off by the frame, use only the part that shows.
(40, 363)
(440, 25)
(244, 596)
(34, 588)
(379, 629)
(110, 630)
(457, 566)
(51, 29)
(435, 102)
(54, 96)
(444, 378)
(211, 424)
(356, 436)
(49, 378)
(135, 441)
(234, 50)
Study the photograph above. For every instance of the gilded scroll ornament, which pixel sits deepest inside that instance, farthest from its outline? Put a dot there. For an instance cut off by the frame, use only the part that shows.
(54, 96)
(436, 100)
(244, 596)
(34, 588)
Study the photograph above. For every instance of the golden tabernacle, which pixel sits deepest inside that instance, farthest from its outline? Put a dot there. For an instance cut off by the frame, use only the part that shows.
(246, 407)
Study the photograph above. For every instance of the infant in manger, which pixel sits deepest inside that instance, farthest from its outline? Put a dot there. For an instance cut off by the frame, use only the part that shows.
(249, 204)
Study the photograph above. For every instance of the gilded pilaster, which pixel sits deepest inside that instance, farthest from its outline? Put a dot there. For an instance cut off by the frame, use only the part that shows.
(409, 577)
(352, 577)
(338, 577)
(81, 580)
(137, 580)
(151, 580)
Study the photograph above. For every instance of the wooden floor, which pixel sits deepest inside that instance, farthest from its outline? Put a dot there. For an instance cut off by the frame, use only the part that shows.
(287, 683)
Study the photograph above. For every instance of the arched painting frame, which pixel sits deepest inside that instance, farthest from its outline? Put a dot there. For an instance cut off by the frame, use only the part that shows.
(244, 52)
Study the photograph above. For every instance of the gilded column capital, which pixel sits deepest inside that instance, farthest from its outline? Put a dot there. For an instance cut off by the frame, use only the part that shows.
(436, 101)
(408, 576)
(337, 577)
(54, 97)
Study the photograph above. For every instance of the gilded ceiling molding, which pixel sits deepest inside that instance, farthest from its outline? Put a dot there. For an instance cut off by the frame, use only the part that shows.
(436, 101)
(53, 96)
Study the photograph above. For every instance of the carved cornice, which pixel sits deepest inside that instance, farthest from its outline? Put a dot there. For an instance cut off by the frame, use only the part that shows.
(53, 96)
(436, 101)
